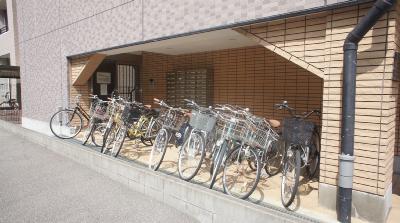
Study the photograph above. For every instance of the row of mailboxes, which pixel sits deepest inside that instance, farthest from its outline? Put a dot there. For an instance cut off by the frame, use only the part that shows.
(189, 84)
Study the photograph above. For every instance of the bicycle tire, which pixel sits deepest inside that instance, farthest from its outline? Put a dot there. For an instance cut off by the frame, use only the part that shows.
(217, 164)
(153, 129)
(182, 150)
(276, 153)
(165, 134)
(52, 128)
(99, 128)
(311, 171)
(87, 135)
(143, 128)
(297, 164)
(106, 140)
(238, 151)
(119, 141)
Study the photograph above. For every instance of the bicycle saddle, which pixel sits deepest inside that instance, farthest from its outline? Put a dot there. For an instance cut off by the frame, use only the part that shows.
(274, 123)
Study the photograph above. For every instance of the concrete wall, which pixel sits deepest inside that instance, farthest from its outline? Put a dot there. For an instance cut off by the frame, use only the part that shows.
(49, 31)
(203, 204)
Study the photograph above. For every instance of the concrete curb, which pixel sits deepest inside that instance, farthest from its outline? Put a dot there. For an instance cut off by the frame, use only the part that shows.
(203, 204)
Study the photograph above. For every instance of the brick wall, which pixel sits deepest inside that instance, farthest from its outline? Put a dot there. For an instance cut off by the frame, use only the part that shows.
(317, 40)
(252, 77)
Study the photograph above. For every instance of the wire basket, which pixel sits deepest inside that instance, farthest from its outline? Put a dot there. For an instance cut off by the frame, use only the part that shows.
(100, 111)
(260, 135)
(202, 121)
(232, 128)
(298, 131)
(172, 119)
(130, 114)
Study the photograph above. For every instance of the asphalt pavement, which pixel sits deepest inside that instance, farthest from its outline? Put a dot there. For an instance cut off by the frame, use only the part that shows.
(37, 185)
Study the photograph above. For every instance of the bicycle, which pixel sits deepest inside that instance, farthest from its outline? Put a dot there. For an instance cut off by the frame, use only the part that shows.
(129, 119)
(302, 150)
(174, 130)
(12, 103)
(96, 121)
(114, 121)
(233, 153)
(200, 139)
(68, 122)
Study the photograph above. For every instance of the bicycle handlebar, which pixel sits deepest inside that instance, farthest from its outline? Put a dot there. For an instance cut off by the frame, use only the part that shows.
(292, 111)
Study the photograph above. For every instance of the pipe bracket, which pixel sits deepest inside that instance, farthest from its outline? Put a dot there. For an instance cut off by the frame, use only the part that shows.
(346, 167)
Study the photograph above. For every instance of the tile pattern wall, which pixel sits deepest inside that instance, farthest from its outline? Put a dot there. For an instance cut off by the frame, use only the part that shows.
(252, 77)
(318, 39)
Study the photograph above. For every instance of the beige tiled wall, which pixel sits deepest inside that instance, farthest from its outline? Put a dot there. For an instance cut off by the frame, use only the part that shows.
(318, 40)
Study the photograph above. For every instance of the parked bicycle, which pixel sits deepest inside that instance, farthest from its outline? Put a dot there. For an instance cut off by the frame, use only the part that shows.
(234, 153)
(115, 109)
(174, 130)
(67, 123)
(97, 121)
(303, 146)
(129, 120)
(200, 140)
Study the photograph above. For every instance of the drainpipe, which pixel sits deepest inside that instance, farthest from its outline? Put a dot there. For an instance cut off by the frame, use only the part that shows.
(346, 158)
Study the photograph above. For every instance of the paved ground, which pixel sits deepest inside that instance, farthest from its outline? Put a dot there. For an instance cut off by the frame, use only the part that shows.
(37, 185)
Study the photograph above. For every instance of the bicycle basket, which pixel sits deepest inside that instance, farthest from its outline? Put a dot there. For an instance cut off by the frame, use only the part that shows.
(130, 114)
(261, 135)
(100, 111)
(202, 121)
(173, 119)
(297, 131)
(232, 128)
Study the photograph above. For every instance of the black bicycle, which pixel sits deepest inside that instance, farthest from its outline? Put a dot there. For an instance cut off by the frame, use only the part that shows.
(302, 139)
(68, 122)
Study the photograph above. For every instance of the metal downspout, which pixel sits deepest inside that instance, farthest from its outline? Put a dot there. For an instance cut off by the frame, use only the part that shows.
(346, 158)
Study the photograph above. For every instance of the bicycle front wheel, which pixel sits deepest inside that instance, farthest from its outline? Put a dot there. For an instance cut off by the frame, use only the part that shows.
(66, 124)
(291, 176)
(218, 157)
(89, 131)
(98, 134)
(239, 179)
(143, 129)
(159, 148)
(191, 156)
(109, 137)
(119, 141)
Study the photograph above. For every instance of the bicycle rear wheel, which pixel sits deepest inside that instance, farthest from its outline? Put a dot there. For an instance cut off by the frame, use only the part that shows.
(66, 124)
(152, 130)
(239, 179)
(273, 159)
(191, 156)
(314, 157)
(159, 148)
(291, 176)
